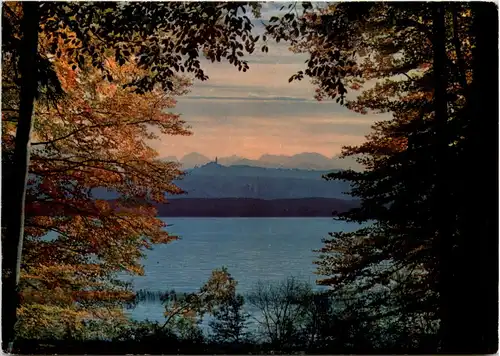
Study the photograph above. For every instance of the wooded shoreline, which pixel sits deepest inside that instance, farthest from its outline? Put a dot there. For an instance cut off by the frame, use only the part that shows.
(243, 207)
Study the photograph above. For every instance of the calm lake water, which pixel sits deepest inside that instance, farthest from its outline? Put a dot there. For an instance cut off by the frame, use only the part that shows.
(253, 249)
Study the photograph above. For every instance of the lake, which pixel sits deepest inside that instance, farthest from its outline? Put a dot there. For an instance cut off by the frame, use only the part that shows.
(253, 249)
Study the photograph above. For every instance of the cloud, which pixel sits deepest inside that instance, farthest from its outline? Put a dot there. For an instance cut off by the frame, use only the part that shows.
(250, 97)
(252, 143)
(227, 108)
(274, 74)
(252, 136)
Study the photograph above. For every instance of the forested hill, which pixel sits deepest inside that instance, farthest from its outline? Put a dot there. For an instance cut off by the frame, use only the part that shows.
(214, 190)
(217, 181)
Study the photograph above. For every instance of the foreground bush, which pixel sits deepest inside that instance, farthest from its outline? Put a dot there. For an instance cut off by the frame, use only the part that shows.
(289, 317)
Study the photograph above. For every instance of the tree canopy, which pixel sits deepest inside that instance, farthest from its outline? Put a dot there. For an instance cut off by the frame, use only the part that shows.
(416, 62)
(97, 136)
(90, 63)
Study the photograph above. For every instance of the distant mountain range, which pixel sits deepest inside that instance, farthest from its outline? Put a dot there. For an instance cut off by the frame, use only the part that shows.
(305, 160)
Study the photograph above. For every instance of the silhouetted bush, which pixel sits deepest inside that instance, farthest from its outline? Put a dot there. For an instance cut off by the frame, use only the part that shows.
(230, 321)
(290, 317)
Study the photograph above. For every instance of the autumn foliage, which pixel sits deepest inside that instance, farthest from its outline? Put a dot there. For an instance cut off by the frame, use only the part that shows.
(97, 136)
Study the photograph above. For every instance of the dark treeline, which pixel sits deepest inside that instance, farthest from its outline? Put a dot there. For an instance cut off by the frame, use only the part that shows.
(238, 207)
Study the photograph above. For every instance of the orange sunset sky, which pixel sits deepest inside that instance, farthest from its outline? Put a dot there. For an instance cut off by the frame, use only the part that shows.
(258, 112)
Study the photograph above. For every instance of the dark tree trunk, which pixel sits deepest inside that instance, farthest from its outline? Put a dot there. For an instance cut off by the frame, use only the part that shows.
(460, 66)
(486, 68)
(443, 218)
(476, 309)
(14, 206)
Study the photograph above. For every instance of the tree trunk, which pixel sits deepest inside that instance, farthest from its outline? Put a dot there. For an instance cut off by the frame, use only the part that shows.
(476, 310)
(486, 69)
(14, 207)
(443, 219)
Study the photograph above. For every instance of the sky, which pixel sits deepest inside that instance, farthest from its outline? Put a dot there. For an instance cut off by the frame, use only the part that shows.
(260, 112)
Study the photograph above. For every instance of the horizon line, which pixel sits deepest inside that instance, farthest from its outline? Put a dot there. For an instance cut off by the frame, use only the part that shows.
(248, 158)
